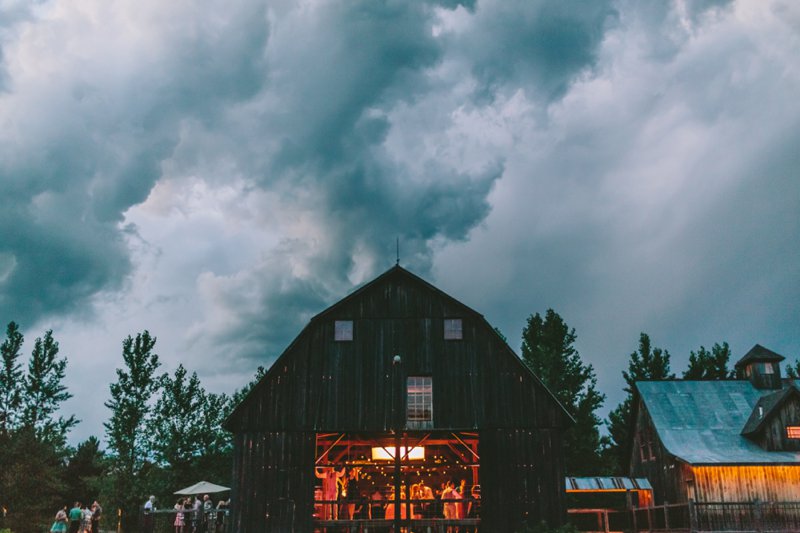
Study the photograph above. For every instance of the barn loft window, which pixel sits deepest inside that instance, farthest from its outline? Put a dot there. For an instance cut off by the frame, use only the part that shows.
(768, 369)
(419, 408)
(793, 432)
(453, 329)
(343, 330)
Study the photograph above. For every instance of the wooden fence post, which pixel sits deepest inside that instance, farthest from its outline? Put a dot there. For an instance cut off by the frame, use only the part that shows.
(666, 515)
(693, 523)
(757, 514)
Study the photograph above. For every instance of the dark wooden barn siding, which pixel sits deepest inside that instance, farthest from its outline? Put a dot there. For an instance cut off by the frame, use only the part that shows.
(273, 482)
(666, 474)
(521, 478)
(323, 385)
(773, 437)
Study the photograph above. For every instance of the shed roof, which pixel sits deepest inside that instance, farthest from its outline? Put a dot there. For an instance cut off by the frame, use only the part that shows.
(607, 484)
(700, 422)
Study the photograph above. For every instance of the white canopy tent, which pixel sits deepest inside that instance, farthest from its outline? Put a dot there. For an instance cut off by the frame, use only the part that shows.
(202, 487)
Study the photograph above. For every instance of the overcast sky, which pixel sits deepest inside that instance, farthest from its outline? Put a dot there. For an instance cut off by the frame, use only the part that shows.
(220, 172)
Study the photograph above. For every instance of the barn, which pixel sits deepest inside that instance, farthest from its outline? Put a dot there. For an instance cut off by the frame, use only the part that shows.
(397, 406)
(721, 441)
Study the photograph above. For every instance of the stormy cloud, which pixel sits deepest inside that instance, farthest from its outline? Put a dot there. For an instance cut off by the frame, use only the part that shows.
(219, 174)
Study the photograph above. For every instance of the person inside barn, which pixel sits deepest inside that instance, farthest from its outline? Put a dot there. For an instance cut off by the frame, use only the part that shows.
(353, 494)
(330, 490)
(376, 506)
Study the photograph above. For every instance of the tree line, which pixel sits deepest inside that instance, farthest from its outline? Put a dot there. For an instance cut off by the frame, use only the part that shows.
(165, 431)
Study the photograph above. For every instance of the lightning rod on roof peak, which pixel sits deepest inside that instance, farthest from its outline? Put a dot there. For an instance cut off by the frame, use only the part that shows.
(397, 242)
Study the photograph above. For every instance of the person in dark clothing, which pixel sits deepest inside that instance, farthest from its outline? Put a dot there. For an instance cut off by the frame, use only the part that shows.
(353, 497)
(97, 513)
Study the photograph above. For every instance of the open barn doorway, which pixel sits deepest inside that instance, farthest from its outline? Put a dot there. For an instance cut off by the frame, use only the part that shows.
(361, 482)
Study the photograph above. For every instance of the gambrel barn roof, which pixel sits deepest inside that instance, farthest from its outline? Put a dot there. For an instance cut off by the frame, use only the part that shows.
(397, 311)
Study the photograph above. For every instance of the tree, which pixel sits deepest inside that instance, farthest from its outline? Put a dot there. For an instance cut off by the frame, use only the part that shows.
(84, 470)
(240, 394)
(793, 371)
(31, 481)
(188, 427)
(645, 364)
(705, 365)
(548, 350)
(10, 380)
(44, 392)
(127, 429)
(32, 439)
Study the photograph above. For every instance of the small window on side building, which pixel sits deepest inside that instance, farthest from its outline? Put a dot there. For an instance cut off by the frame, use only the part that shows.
(343, 330)
(453, 329)
(793, 432)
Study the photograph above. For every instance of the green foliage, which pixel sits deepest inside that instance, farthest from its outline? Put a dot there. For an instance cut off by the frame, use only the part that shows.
(646, 363)
(84, 472)
(127, 429)
(793, 371)
(548, 350)
(11, 379)
(705, 365)
(242, 393)
(44, 392)
(32, 440)
(187, 430)
(30, 480)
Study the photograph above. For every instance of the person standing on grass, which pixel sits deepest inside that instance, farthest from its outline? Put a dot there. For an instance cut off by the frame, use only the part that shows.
(149, 509)
(75, 517)
(60, 524)
(97, 512)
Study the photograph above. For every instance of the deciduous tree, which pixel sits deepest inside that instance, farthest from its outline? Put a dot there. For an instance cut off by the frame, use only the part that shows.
(127, 430)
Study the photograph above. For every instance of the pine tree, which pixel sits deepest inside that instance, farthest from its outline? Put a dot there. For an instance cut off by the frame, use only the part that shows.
(645, 364)
(548, 350)
(127, 429)
(705, 365)
(10, 381)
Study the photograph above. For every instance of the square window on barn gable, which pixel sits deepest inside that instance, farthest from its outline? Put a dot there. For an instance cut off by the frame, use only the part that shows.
(453, 329)
(343, 330)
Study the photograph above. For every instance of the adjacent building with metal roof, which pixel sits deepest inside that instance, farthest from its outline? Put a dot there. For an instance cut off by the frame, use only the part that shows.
(735, 440)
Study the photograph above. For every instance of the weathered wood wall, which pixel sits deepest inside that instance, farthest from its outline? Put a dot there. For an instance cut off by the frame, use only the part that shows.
(517, 485)
(323, 385)
(747, 483)
(274, 477)
(667, 475)
(773, 435)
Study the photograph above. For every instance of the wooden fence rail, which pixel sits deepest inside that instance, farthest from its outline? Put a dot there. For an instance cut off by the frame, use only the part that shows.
(700, 517)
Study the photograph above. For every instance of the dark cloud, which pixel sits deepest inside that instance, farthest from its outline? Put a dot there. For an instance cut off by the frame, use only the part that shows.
(223, 173)
(540, 45)
(86, 137)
